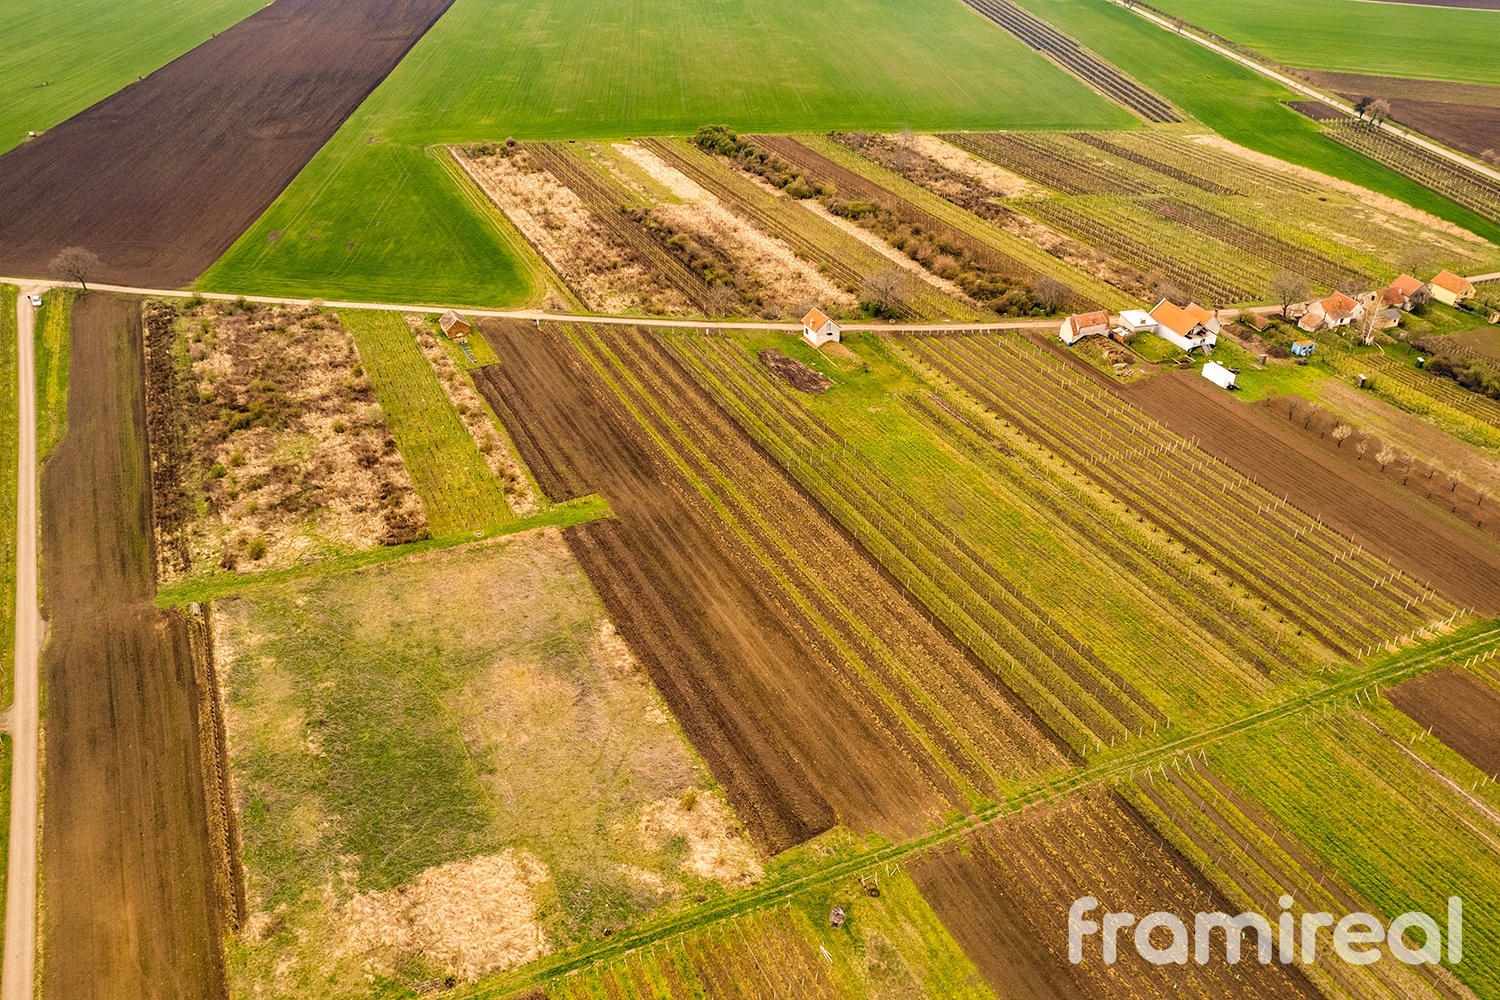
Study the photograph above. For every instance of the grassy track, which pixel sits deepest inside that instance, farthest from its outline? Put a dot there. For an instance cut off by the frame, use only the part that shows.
(53, 322)
(85, 50)
(458, 489)
(1234, 100)
(492, 68)
(1393, 39)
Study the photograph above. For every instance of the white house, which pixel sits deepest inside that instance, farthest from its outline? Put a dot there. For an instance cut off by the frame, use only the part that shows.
(1450, 289)
(1175, 325)
(1080, 325)
(1134, 321)
(819, 329)
(1218, 375)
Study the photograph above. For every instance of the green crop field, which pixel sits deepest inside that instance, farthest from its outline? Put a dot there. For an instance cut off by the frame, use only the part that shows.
(1365, 790)
(1233, 100)
(1389, 39)
(496, 68)
(57, 58)
(458, 489)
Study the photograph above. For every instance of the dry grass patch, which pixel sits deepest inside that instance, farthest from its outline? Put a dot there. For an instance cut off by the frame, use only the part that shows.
(268, 446)
(602, 272)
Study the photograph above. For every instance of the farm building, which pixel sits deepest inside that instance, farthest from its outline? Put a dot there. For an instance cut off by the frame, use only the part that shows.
(1451, 289)
(1134, 321)
(819, 329)
(1258, 322)
(1218, 375)
(1335, 311)
(1303, 348)
(1080, 325)
(1175, 325)
(455, 326)
(1405, 292)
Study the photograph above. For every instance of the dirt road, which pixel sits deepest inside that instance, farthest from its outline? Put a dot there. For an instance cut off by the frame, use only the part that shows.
(20, 893)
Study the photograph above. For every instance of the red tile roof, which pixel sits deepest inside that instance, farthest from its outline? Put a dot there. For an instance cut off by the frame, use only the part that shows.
(1453, 283)
(1406, 285)
(814, 320)
(1169, 315)
(1081, 321)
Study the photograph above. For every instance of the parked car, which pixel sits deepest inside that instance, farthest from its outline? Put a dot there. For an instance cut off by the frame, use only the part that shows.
(36, 300)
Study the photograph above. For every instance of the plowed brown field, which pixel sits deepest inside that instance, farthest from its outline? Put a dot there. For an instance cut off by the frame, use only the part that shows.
(162, 177)
(1006, 898)
(1462, 711)
(130, 905)
(808, 712)
(1459, 560)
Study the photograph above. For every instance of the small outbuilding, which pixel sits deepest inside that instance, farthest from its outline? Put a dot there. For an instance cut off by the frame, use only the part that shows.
(1134, 321)
(1080, 325)
(1303, 348)
(1259, 322)
(818, 329)
(1451, 289)
(1218, 375)
(454, 326)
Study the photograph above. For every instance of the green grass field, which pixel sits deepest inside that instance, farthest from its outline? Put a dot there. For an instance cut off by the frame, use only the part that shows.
(495, 68)
(440, 711)
(458, 489)
(1233, 100)
(59, 57)
(1389, 39)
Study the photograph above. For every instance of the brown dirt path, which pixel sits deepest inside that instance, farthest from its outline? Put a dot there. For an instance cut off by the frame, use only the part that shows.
(1457, 559)
(160, 178)
(127, 889)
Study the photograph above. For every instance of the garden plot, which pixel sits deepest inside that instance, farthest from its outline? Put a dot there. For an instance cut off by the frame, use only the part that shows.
(268, 445)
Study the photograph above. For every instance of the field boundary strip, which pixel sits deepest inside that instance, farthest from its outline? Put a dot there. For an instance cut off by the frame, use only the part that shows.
(1468, 642)
(565, 514)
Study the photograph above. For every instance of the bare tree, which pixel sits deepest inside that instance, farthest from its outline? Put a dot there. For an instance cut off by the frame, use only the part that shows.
(1288, 287)
(1050, 293)
(1363, 105)
(1341, 432)
(1380, 110)
(75, 264)
(1361, 447)
(887, 290)
(722, 300)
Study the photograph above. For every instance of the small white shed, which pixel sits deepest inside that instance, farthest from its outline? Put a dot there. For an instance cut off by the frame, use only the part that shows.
(1218, 375)
(819, 329)
(1134, 321)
